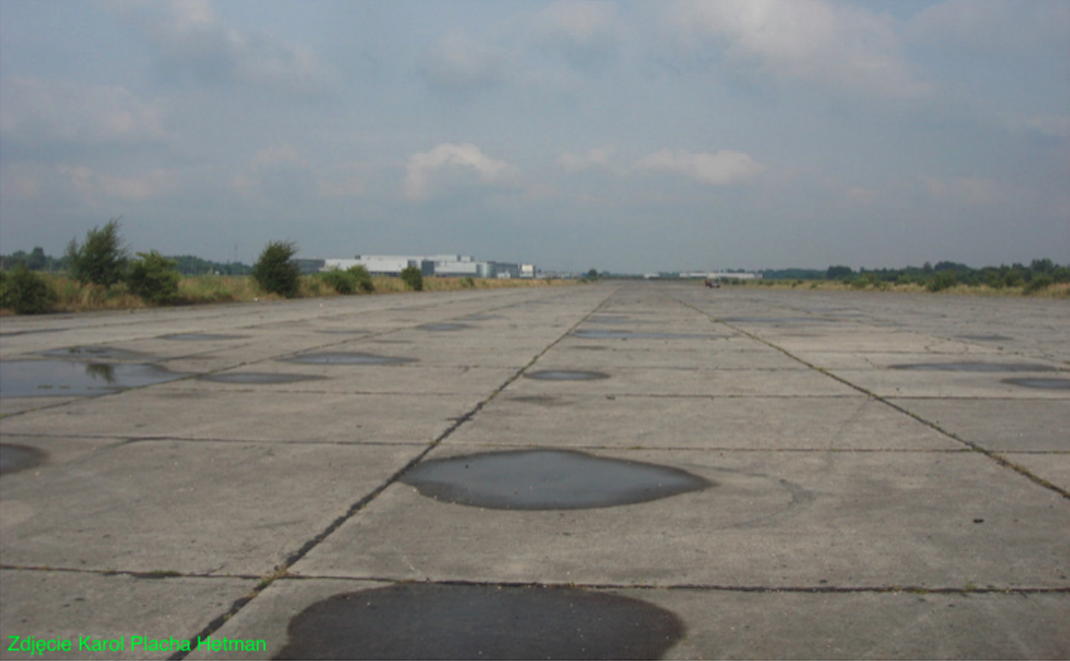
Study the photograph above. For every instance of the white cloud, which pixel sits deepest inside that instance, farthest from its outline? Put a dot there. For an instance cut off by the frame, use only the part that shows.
(457, 62)
(94, 186)
(721, 169)
(838, 46)
(994, 25)
(586, 32)
(596, 157)
(448, 164)
(46, 111)
(192, 42)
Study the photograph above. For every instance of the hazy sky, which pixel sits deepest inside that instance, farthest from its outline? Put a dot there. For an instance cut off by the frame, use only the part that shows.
(624, 136)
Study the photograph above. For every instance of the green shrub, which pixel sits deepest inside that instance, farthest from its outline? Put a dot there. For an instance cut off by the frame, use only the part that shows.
(413, 278)
(362, 278)
(940, 281)
(342, 281)
(154, 278)
(26, 292)
(102, 259)
(275, 272)
(1039, 282)
(468, 283)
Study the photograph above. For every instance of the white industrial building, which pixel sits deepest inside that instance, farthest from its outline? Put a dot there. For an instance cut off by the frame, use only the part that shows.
(440, 265)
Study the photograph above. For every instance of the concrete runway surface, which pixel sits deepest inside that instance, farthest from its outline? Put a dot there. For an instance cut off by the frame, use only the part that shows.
(617, 470)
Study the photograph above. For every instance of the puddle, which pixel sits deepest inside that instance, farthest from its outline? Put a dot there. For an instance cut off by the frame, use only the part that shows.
(443, 327)
(348, 358)
(977, 367)
(258, 378)
(201, 337)
(14, 458)
(630, 335)
(547, 480)
(542, 400)
(1040, 382)
(94, 353)
(985, 338)
(61, 378)
(433, 621)
(482, 317)
(565, 375)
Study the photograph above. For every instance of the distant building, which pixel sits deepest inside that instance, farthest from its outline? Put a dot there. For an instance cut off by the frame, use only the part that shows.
(438, 265)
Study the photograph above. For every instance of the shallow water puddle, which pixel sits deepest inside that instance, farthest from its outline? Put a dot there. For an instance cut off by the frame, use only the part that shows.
(565, 375)
(976, 367)
(258, 378)
(94, 353)
(434, 621)
(62, 378)
(14, 458)
(547, 480)
(348, 358)
(1040, 382)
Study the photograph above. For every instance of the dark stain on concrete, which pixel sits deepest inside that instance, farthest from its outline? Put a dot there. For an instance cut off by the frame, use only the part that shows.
(976, 367)
(14, 458)
(1049, 383)
(547, 480)
(440, 621)
(565, 375)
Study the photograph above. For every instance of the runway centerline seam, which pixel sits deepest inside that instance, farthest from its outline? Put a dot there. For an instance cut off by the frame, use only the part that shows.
(281, 570)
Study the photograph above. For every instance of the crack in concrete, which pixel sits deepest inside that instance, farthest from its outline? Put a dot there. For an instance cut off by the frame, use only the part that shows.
(932, 425)
(281, 570)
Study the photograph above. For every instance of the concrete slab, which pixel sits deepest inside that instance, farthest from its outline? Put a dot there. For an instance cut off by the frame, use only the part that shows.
(1000, 424)
(193, 508)
(84, 607)
(1049, 466)
(771, 519)
(252, 414)
(936, 384)
(690, 382)
(699, 423)
(827, 523)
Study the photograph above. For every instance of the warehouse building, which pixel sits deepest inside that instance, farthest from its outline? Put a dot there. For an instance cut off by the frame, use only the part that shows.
(438, 265)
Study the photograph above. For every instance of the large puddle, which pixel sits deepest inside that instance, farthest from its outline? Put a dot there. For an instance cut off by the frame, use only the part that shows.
(547, 480)
(348, 358)
(565, 375)
(63, 378)
(433, 621)
(14, 458)
(977, 367)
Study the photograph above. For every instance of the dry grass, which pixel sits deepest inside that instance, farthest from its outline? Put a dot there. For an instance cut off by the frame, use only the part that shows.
(206, 289)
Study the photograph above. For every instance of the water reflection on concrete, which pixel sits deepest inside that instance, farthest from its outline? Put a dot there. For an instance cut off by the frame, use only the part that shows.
(436, 621)
(62, 378)
(547, 480)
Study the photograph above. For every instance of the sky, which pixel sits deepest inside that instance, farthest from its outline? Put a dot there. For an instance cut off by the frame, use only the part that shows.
(624, 136)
